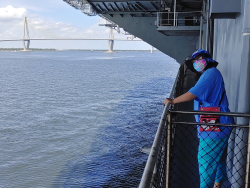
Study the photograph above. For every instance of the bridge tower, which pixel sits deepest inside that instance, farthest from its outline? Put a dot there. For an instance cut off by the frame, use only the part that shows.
(111, 27)
(152, 49)
(111, 42)
(26, 30)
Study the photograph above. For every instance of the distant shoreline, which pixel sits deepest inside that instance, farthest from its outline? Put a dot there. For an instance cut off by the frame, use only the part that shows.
(40, 49)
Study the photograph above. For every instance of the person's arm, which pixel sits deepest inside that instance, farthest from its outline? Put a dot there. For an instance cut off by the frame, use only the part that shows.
(183, 98)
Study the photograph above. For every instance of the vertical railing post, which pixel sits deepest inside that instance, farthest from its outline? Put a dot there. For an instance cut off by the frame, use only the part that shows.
(157, 21)
(169, 139)
(174, 10)
(168, 17)
(201, 27)
(176, 19)
(207, 29)
(248, 159)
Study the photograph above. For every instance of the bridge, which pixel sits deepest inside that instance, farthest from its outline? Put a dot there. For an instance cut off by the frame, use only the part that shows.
(32, 32)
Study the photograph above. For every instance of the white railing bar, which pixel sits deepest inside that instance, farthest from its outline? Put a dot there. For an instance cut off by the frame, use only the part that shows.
(201, 25)
(248, 160)
(181, 12)
(174, 10)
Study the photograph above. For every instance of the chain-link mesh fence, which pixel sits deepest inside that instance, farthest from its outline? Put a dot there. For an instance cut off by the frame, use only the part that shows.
(202, 162)
(159, 177)
(183, 160)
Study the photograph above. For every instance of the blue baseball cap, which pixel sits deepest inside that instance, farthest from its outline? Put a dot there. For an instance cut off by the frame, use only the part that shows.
(201, 52)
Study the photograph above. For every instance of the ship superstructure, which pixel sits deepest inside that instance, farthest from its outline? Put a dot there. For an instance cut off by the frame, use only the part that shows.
(178, 28)
(155, 22)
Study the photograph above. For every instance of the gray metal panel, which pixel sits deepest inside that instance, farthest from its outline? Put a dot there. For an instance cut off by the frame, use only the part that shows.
(225, 8)
(180, 30)
(227, 51)
(231, 50)
(244, 94)
(177, 47)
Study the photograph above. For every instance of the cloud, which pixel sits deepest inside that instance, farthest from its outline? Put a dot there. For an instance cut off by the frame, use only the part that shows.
(9, 13)
(47, 19)
(11, 21)
(69, 29)
(49, 29)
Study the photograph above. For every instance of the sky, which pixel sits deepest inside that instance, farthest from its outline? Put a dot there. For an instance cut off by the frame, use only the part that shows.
(48, 18)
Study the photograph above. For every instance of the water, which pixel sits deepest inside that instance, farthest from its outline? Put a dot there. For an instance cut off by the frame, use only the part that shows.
(79, 119)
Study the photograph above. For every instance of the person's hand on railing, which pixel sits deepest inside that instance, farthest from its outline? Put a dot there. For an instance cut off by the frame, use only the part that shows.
(183, 98)
(168, 100)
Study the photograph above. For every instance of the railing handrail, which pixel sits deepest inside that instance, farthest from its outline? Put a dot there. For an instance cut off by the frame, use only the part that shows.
(233, 114)
(150, 165)
(181, 12)
(211, 124)
(176, 17)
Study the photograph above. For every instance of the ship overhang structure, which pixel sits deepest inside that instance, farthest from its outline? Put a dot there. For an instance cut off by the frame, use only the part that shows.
(172, 27)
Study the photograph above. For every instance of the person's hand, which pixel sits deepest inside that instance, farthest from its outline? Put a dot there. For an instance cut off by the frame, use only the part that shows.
(168, 100)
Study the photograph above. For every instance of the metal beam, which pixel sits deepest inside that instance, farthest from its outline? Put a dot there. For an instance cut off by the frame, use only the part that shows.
(134, 8)
(154, 5)
(111, 7)
(96, 1)
(67, 39)
(105, 6)
(123, 8)
(99, 6)
(116, 6)
(128, 12)
(128, 6)
(94, 8)
(141, 6)
(138, 7)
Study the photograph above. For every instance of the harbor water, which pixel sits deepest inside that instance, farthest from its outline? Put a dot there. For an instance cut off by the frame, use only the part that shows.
(79, 118)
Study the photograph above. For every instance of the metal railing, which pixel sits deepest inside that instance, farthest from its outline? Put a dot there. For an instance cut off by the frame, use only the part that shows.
(238, 147)
(173, 158)
(179, 18)
(157, 172)
(154, 158)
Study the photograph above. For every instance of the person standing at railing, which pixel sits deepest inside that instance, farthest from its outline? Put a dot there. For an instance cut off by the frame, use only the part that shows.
(209, 91)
